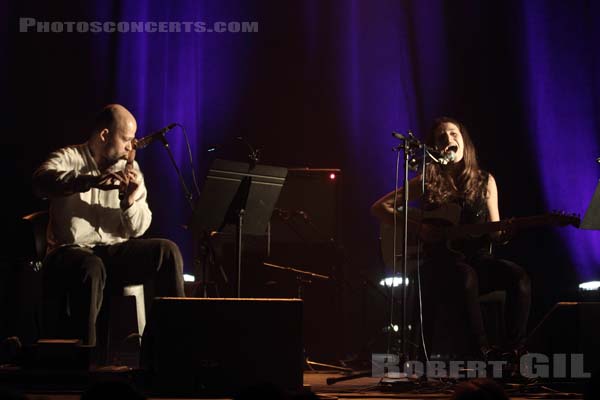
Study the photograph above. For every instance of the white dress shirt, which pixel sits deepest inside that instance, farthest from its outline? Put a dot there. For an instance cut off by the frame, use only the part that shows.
(87, 217)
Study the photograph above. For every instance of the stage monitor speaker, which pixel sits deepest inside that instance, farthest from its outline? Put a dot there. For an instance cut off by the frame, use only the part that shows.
(305, 234)
(569, 328)
(219, 346)
(306, 211)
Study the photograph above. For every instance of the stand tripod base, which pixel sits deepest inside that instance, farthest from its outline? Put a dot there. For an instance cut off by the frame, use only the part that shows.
(400, 382)
(393, 378)
(357, 375)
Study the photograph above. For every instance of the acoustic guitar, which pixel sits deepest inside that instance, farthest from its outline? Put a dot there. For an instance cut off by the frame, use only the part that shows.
(442, 226)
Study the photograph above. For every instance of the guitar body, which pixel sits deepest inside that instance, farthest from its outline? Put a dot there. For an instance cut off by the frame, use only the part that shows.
(386, 242)
(426, 226)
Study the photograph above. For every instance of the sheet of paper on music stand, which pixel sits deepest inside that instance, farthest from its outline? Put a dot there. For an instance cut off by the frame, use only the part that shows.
(591, 220)
(259, 186)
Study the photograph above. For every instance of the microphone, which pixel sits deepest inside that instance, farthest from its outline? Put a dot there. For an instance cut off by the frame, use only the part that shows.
(411, 140)
(443, 157)
(398, 136)
(435, 156)
(448, 156)
(146, 140)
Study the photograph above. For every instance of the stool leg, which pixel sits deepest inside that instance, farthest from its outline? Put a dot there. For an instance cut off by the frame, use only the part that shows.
(138, 292)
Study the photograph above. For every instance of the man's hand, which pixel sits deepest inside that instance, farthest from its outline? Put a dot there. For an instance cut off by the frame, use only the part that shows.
(106, 181)
(129, 187)
(110, 180)
(126, 181)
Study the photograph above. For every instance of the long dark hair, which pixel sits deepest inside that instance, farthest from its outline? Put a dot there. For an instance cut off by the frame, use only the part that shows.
(469, 184)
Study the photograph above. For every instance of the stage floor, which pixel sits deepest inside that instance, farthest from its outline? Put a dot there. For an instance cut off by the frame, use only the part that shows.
(372, 389)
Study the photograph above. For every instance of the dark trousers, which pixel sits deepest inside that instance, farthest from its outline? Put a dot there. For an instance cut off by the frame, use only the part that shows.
(77, 278)
(462, 281)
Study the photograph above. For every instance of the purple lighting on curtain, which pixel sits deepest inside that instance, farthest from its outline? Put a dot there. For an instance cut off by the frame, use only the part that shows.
(391, 78)
(184, 77)
(378, 93)
(564, 104)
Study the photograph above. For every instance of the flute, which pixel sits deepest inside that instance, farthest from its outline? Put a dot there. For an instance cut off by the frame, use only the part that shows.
(128, 168)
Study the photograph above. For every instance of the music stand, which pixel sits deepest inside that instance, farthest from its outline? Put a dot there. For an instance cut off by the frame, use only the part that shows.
(591, 220)
(239, 194)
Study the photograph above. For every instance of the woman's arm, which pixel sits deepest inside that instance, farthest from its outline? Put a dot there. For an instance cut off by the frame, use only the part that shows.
(504, 236)
(383, 208)
(492, 200)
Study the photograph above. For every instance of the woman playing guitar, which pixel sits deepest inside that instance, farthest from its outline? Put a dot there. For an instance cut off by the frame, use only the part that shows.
(464, 275)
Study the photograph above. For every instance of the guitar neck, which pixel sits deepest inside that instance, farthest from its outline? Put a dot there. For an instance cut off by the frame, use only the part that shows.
(466, 230)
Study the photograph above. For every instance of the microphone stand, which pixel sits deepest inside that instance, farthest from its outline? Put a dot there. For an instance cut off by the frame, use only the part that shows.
(253, 157)
(186, 191)
(410, 145)
(238, 212)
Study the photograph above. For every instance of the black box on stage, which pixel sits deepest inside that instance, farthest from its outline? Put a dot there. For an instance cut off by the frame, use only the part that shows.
(307, 209)
(218, 346)
(305, 234)
(569, 328)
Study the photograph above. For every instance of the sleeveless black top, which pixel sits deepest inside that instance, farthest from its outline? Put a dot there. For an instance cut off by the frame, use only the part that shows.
(474, 213)
(469, 214)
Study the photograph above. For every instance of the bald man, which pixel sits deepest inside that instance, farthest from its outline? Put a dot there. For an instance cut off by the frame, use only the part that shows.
(97, 210)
